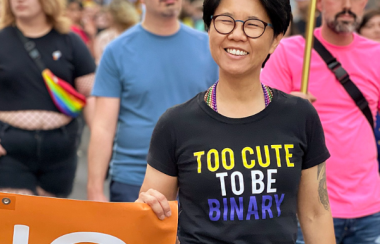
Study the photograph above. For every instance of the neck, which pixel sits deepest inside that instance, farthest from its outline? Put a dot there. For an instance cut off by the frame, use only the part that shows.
(337, 39)
(35, 27)
(160, 26)
(239, 97)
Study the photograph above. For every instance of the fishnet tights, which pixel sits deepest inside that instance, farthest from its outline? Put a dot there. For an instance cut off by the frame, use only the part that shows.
(34, 119)
(46, 120)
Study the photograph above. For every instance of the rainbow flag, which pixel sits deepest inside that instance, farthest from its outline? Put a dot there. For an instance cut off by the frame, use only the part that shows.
(65, 97)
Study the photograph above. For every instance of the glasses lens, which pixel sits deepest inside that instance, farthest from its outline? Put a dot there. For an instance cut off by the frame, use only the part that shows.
(254, 28)
(224, 24)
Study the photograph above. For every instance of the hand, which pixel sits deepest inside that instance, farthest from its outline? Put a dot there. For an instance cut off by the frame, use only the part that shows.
(96, 196)
(157, 202)
(2, 151)
(307, 96)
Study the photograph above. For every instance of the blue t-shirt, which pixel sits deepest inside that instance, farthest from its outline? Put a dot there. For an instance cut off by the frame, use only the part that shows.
(149, 73)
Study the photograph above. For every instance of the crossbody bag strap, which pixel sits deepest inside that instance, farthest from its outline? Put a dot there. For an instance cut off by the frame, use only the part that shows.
(344, 78)
(30, 47)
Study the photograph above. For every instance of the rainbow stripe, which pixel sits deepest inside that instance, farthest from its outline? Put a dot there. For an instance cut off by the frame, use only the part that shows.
(64, 96)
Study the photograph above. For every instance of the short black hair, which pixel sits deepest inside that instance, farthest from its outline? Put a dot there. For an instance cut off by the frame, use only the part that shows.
(279, 12)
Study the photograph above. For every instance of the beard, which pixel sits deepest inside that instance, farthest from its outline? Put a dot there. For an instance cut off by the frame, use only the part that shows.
(342, 26)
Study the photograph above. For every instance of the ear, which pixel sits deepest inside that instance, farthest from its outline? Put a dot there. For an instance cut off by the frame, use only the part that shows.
(275, 43)
(319, 5)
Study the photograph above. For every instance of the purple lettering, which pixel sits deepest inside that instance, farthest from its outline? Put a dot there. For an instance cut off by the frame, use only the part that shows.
(278, 203)
(234, 208)
(266, 207)
(252, 208)
(225, 212)
(214, 206)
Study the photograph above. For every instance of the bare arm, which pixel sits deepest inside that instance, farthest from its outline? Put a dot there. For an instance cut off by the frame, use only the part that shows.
(84, 86)
(100, 148)
(157, 189)
(314, 208)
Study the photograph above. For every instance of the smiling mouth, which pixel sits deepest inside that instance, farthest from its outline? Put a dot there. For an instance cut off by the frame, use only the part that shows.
(236, 52)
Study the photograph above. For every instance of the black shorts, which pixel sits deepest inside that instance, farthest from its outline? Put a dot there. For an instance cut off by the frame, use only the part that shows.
(44, 158)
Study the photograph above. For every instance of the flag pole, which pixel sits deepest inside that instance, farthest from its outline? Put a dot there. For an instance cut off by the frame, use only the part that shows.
(309, 36)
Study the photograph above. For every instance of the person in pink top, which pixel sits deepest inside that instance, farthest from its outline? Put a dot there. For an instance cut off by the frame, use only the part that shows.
(352, 171)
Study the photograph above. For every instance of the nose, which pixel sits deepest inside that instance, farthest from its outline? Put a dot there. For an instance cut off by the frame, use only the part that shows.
(347, 4)
(238, 33)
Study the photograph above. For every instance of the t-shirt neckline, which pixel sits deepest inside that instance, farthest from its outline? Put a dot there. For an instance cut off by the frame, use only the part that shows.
(158, 36)
(215, 115)
(318, 34)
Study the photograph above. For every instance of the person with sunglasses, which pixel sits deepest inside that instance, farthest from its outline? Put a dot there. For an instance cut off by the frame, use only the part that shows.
(245, 158)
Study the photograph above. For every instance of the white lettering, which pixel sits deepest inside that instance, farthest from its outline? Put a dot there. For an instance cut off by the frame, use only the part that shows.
(258, 181)
(241, 183)
(221, 176)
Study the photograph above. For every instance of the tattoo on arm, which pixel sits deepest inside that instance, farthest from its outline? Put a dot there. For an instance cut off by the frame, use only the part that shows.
(322, 186)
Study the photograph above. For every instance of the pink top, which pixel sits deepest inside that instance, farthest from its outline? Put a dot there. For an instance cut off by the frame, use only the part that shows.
(352, 171)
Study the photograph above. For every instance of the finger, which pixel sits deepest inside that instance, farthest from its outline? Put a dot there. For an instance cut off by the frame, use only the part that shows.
(312, 98)
(154, 204)
(2, 151)
(162, 200)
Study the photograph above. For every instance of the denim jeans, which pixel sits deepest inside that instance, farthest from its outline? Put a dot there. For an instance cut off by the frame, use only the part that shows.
(365, 230)
(120, 192)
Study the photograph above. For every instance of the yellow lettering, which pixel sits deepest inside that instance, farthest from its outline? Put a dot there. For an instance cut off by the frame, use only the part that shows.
(216, 156)
(260, 158)
(244, 156)
(277, 148)
(199, 155)
(288, 155)
(232, 159)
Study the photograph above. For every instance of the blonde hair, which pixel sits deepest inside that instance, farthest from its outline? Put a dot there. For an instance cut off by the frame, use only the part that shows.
(124, 14)
(53, 9)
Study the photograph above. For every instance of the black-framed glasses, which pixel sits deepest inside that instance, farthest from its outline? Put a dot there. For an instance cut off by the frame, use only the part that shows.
(253, 28)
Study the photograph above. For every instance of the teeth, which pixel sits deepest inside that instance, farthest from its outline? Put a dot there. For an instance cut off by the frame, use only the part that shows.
(237, 52)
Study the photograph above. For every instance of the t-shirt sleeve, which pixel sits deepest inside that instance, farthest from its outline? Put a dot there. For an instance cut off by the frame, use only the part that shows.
(83, 61)
(107, 79)
(316, 151)
(161, 155)
(276, 72)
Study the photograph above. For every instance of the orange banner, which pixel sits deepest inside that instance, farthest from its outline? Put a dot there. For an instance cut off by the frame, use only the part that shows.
(40, 220)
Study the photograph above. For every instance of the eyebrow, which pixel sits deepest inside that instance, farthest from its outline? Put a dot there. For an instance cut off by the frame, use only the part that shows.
(249, 17)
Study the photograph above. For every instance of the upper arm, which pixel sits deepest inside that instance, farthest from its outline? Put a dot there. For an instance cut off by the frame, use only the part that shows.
(163, 183)
(106, 114)
(312, 194)
(83, 62)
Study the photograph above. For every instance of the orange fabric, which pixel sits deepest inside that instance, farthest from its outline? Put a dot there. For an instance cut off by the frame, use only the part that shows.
(41, 220)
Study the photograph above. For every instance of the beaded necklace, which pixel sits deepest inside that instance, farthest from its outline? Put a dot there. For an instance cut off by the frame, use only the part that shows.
(210, 96)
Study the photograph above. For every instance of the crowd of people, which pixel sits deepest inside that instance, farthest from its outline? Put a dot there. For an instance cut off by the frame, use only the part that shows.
(199, 101)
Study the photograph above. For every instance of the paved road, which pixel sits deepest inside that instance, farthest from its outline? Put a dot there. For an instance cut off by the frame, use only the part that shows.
(79, 191)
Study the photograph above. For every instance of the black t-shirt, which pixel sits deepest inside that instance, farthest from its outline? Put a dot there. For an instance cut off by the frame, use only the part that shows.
(21, 84)
(238, 178)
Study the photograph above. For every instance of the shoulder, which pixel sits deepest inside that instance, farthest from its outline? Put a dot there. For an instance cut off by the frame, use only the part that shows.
(7, 33)
(125, 38)
(292, 42)
(193, 33)
(176, 115)
(371, 46)
(293, 105)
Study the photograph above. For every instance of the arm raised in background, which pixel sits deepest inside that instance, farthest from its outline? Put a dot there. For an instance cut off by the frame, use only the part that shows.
(314, 211)
(100, 149)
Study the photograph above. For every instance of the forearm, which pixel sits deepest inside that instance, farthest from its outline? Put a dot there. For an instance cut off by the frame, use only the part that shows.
(318, 229)
(99, 156)
(89, 111)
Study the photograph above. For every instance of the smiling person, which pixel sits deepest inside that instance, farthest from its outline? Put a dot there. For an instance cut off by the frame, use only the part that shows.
(353, 178)
(244, 157)
(38, 142)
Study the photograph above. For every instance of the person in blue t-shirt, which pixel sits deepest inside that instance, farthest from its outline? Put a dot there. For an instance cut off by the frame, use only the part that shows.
(148, 69)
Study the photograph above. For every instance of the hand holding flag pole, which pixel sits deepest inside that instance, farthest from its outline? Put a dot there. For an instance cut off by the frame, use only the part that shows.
(309, 36)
